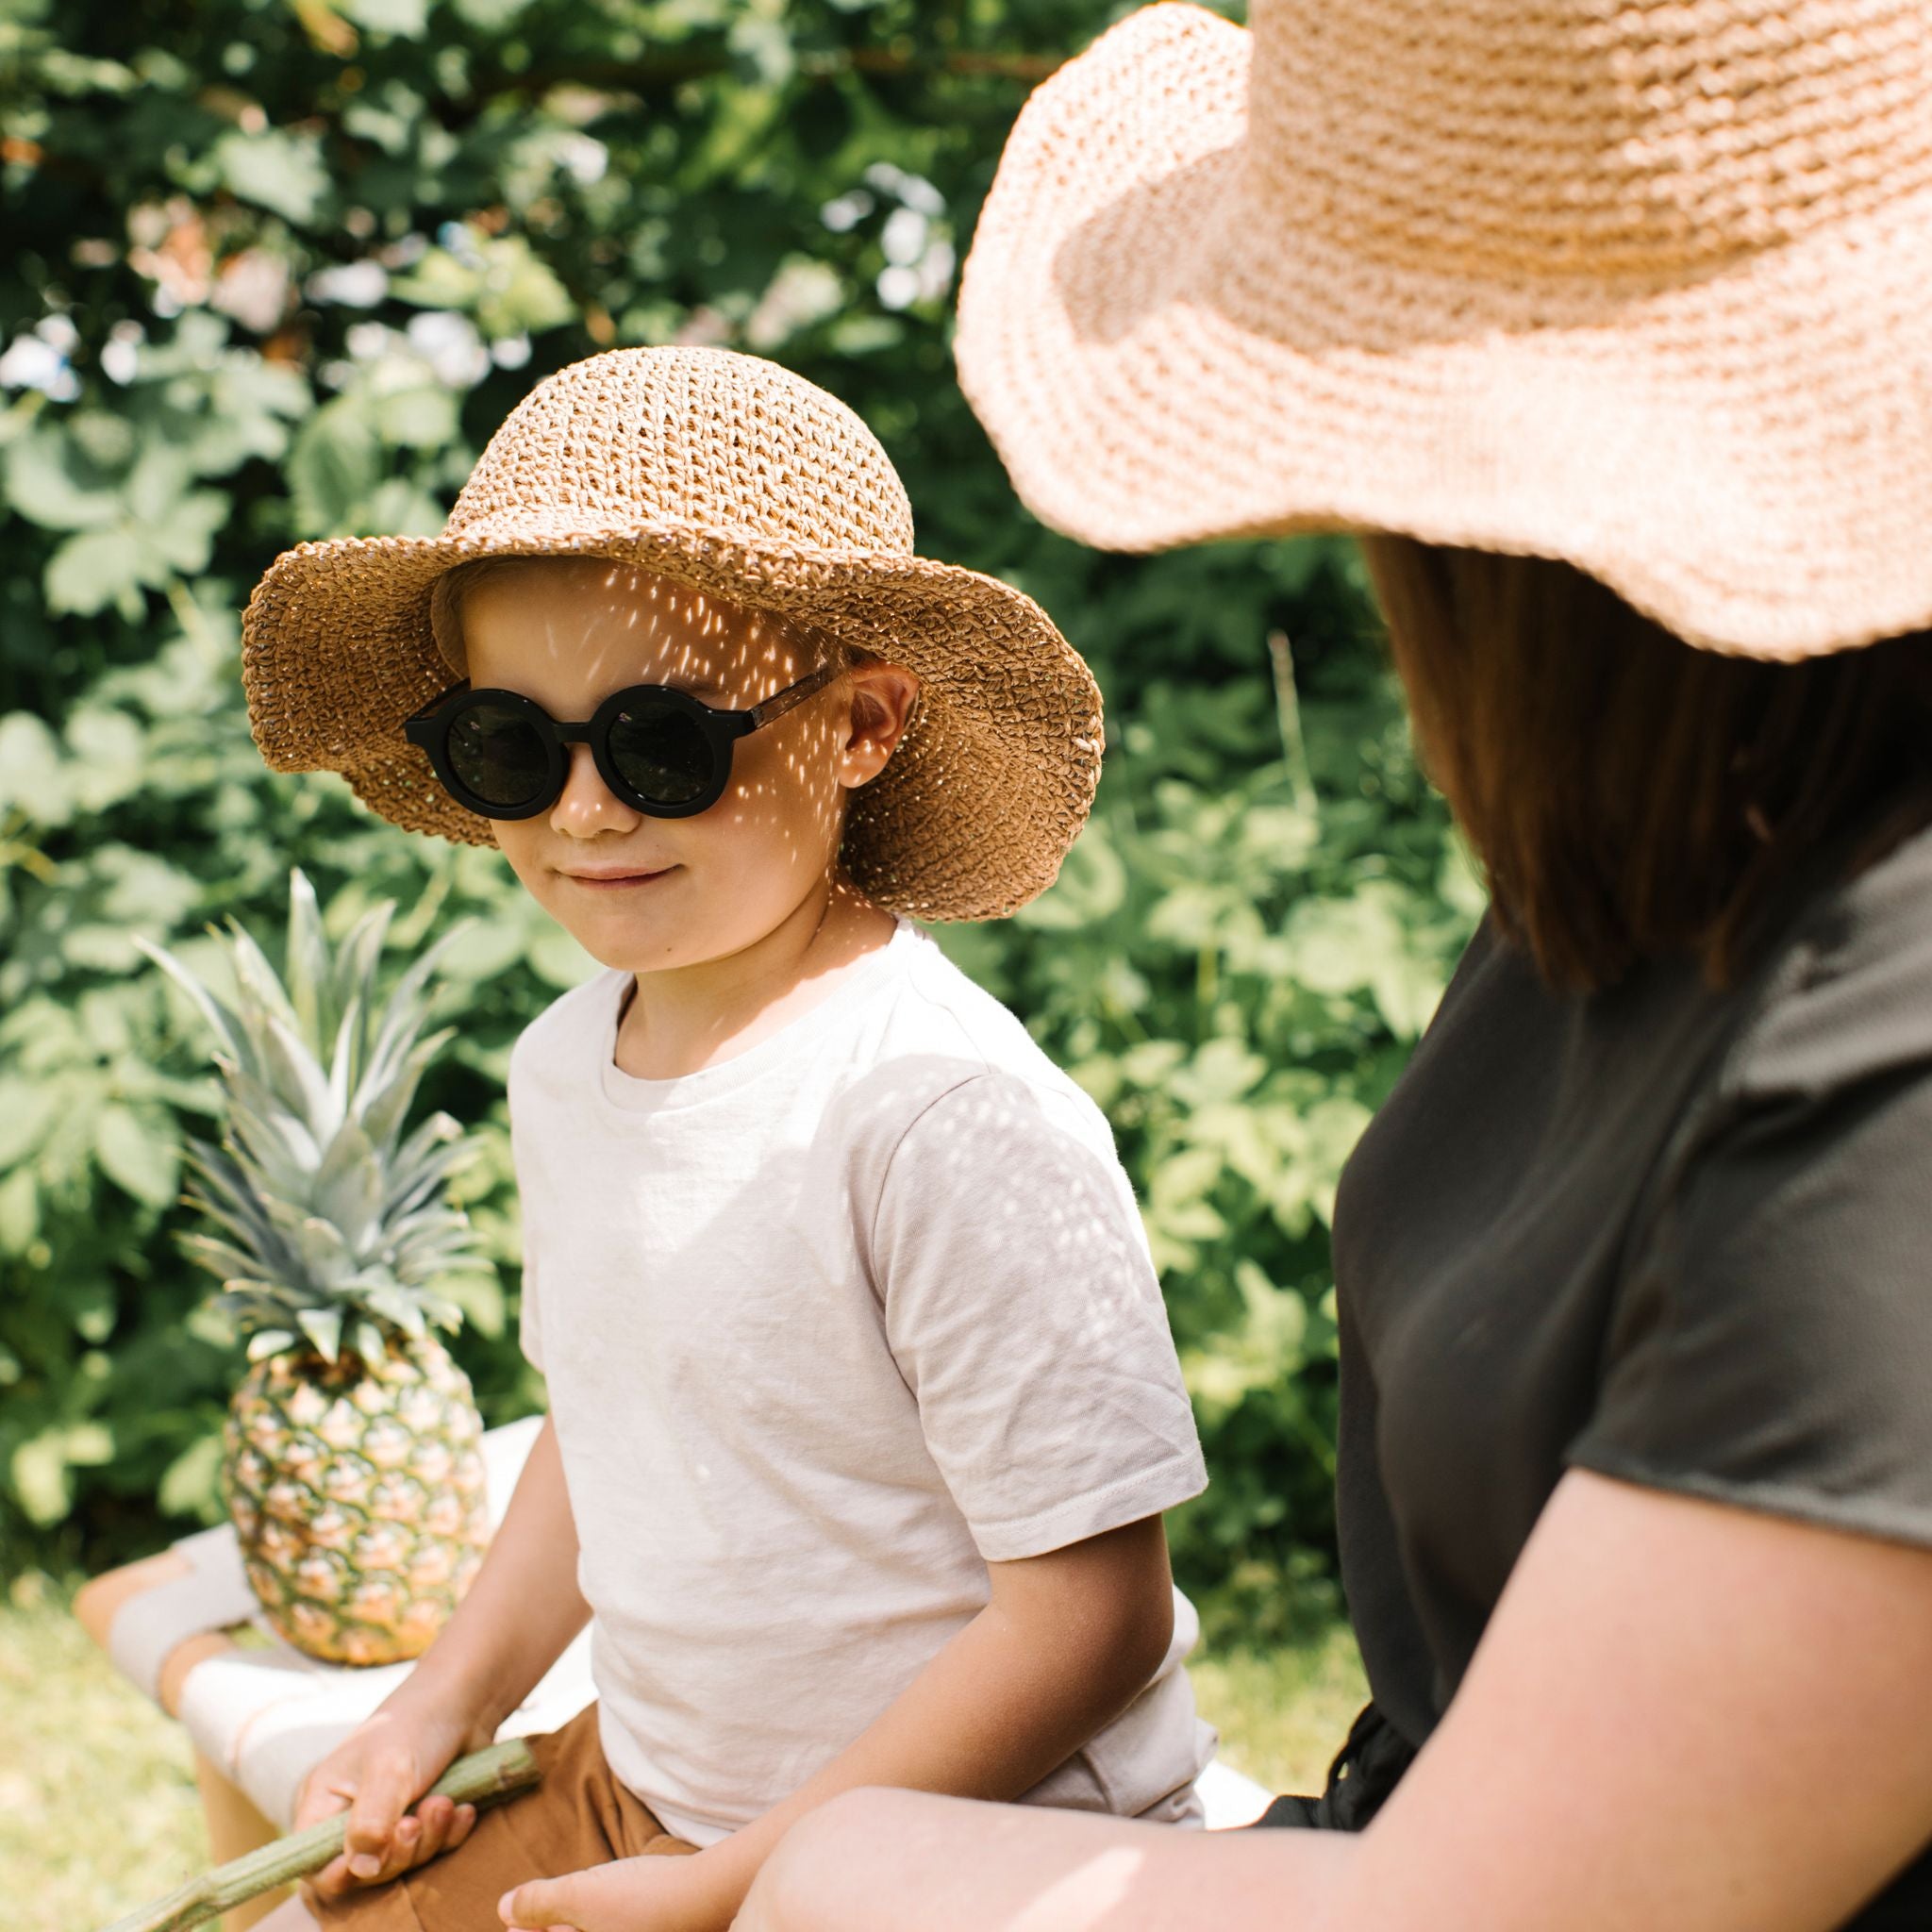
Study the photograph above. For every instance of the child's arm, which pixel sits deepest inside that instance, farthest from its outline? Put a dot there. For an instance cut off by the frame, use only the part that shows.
(512, 1625)
(1066, 1643)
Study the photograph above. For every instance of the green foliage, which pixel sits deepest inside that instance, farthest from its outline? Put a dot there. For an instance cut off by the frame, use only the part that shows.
(278, 269)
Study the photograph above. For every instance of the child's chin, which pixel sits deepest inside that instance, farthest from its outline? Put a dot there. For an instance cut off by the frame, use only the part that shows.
(635, 940)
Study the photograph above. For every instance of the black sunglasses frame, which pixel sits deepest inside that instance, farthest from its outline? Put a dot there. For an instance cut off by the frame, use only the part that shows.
(430, 729)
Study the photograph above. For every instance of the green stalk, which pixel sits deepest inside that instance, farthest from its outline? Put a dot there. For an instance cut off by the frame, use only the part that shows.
(1288, 712)
(484, 1778)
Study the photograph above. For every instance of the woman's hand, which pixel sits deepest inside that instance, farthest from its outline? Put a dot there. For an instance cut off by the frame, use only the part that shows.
(376, 1775)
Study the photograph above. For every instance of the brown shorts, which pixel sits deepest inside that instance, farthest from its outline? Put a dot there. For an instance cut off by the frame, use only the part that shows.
(577, 1817)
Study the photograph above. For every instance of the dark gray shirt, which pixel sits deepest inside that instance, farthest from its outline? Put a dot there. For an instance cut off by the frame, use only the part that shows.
(1679, 1237)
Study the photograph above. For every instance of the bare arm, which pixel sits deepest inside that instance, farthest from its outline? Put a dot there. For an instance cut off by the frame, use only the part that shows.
(506, 1634)
(1682, 1714)
(498, 1644)
(1065, 1643)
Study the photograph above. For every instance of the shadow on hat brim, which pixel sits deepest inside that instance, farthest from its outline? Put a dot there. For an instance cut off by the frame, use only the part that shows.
(970, 819)
(1745, 453)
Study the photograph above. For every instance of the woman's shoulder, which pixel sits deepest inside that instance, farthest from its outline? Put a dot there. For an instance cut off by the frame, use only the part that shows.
(1847, 996)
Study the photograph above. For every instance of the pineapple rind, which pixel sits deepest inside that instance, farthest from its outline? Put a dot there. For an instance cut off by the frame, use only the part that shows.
(356, 1491)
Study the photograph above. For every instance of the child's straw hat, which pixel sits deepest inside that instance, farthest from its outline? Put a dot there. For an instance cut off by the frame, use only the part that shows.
(730, 474)
(1642, 284)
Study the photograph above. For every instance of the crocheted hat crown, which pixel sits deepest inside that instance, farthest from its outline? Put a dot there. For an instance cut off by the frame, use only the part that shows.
(698, 437)
(1596, 139)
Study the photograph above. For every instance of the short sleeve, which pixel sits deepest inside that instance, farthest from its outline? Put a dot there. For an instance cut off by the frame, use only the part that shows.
(1021, 1307)
(1771, 1345)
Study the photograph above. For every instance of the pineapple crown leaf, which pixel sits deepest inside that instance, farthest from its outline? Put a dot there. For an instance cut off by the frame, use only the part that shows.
(221, 1021)
(305, 957)
(324, 1231)
(323, 1326)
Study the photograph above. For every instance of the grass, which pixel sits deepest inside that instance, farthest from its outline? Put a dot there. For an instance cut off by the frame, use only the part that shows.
(99, 1813)
(1282, 1713)
(98, 1809)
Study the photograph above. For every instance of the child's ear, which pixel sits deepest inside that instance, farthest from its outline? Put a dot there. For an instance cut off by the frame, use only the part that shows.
(882, 699)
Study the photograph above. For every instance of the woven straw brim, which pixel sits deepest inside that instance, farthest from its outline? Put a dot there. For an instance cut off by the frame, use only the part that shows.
(970, 819)
(1162, 358)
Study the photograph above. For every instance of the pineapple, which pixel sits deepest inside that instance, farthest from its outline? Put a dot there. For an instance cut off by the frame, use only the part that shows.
(351, 1451)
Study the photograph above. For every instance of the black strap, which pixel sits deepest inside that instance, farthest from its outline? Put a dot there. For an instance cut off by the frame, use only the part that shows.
(1367, 1768)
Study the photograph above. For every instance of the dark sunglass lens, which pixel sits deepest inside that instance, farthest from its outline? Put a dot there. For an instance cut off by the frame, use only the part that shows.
(660, 753)
(499, 754)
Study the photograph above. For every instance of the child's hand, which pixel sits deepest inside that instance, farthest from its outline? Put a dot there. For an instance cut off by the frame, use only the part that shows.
(660, 1892)
(377, 1773)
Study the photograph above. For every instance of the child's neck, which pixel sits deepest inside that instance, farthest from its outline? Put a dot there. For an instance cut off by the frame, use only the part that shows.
(681, 1021)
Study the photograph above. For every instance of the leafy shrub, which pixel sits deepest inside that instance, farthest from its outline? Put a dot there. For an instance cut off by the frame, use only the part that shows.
(277, 271)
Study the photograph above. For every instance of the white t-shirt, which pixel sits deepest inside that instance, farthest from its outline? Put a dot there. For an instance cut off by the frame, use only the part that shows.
(828, 1327)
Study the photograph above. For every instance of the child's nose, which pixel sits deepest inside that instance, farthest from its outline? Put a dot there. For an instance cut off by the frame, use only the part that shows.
(587, 806)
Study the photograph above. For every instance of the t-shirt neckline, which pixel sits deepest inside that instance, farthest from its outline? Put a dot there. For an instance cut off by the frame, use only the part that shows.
(628, 1093)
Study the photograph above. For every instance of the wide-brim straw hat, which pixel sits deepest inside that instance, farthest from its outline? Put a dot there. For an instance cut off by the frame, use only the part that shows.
(731, 475)
(1641, 284)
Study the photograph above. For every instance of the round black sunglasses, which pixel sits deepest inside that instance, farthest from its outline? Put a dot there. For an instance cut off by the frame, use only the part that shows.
(658, 748)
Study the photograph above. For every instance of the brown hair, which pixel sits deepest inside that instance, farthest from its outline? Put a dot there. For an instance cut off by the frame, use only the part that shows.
(1628, 795)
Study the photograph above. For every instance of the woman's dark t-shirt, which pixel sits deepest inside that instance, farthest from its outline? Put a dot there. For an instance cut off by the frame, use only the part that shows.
(1679, 1237)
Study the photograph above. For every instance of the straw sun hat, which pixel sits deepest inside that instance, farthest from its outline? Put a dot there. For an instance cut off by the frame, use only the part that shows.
(728, 474)
(1641, 284)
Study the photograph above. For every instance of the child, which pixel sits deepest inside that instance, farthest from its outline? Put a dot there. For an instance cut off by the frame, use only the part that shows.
(863, 1404)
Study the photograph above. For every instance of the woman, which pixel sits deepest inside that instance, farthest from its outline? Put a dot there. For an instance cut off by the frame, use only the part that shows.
(1609, 322)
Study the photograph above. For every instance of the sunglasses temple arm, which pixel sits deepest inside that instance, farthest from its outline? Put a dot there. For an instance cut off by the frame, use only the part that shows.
(792, 696)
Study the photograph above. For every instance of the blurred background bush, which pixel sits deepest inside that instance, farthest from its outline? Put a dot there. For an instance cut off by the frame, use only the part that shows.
(276, 270)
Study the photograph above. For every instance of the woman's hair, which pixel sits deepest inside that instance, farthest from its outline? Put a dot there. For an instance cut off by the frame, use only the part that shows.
(1629, 795)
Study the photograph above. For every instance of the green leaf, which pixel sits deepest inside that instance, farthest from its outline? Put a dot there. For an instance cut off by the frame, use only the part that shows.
(275, 170)
(508, 288)
(489, 16)
(41, 1467)
(32, 775)
(41, 1479)
(190, 1485)
(27, 1110)
(52, 481)
(95, 570)
(406, 19)
(1091, 887)
(20, 1211)
(180, 536)
(422, 418)
(139, 1150)
(333, 467)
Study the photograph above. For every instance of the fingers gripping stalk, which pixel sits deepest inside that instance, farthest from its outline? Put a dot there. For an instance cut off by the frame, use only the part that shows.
(484, 1778)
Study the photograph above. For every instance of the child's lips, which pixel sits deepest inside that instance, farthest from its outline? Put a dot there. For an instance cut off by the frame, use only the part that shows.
(615, 881)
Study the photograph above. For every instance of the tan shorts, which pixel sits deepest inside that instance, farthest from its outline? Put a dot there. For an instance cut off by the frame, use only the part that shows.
(577, 1817)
